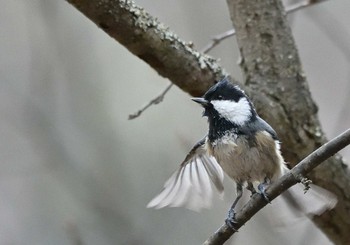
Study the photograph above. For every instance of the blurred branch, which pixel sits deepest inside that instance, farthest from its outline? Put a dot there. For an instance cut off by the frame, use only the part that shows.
(218, 39)
(160, 97)
(154, 101)
(340, 36)
(301, 5)
(230, 33)
(257, 202)
(274, 79)
(147, 23)
(273, 71)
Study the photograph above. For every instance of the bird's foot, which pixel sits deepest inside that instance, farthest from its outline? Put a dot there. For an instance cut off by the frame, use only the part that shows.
(306, 182)
(262, 189)
(231, 219)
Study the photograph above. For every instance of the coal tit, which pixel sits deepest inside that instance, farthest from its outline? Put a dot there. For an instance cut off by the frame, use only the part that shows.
(239, 143)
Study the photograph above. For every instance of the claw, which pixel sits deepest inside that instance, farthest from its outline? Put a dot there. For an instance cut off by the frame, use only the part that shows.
(262, 189)
(306, 182)
(231, 219)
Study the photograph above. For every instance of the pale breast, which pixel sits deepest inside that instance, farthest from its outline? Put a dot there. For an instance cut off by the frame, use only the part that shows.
(248, 160)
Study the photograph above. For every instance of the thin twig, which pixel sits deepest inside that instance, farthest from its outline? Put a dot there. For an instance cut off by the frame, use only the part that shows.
(154, 101)
(304, 4)
(257, 202)
(215, 42)
(218, 39)
(230, 33)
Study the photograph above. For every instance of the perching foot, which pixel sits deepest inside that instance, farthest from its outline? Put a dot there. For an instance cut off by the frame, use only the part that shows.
(306, 182)
(231, 219)
(262, 189)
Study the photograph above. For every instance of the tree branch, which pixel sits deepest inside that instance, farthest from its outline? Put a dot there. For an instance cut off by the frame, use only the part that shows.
(154, 101)
(275, 189)
(153, 42)
(215, 42)
(273, 79)
(230, 33)
(273, 70)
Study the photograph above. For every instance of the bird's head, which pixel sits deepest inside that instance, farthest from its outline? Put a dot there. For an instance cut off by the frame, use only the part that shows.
(225, 101)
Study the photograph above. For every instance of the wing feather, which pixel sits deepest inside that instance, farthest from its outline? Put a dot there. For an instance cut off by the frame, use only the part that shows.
(191, 185)
(214, 171)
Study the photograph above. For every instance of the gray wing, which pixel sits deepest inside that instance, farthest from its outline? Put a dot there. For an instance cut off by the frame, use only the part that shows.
(263, 125)
(258, 125)
(191, 185)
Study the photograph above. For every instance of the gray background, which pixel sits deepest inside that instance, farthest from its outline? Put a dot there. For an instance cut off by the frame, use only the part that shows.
(74, 170)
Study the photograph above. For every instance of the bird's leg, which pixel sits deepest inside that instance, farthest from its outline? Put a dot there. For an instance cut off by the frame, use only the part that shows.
(251, 188)
(230, 221)
(306, 182)
(262, 188)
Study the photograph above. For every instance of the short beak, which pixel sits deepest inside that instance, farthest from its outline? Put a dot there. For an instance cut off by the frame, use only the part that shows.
(201, 101)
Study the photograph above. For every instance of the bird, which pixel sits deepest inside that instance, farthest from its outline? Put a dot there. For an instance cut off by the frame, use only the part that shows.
(240, 144)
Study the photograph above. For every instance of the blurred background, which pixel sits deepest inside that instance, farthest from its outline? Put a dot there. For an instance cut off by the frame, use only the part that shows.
(75, 170)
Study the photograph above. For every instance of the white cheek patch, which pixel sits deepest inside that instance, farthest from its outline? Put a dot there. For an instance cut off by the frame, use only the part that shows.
(235, 112)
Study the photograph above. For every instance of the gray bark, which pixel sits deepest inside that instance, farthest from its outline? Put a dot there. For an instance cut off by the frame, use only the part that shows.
(273, 77)
(257, 202)
(153, 42)
(273, 71)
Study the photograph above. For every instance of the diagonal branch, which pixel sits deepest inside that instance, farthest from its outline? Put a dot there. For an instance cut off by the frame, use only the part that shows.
(273, 79)
(154, 101)
(291, 178)
(215, 42)
(273, 70)
(150, 40)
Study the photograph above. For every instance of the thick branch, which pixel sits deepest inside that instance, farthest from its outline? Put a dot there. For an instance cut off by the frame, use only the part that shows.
(291, 178)
(230, 33)
(273, 71)
(153, 42)
(216, 41)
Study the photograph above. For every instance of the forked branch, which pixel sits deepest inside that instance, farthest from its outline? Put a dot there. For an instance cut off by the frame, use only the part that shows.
(274, 190)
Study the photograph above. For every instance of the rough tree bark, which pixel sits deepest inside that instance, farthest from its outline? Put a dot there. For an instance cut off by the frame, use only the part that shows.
(153, 42)
(295, 175)
(272, 69)
(273, 77)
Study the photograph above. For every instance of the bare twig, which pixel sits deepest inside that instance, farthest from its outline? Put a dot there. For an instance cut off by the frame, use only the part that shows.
(218, 39)
(291, 178)
(159, 98)
(194, 73)
(153, 42)
(230, 33)
(340, 40)
(154, 101)
(301, 5)
(215, 42)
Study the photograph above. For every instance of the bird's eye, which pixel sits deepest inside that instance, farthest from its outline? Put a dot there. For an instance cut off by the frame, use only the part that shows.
(220, 97)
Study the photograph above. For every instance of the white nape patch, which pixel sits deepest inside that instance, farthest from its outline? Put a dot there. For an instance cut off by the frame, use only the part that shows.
(235, 112)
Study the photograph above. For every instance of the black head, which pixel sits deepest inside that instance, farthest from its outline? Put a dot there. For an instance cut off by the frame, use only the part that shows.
(226, 106)
(224, 90)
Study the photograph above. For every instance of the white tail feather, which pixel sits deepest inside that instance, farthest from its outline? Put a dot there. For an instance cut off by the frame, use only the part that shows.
(315, 201)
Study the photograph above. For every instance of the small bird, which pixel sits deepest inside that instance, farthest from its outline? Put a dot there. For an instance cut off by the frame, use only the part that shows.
(239, 143)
